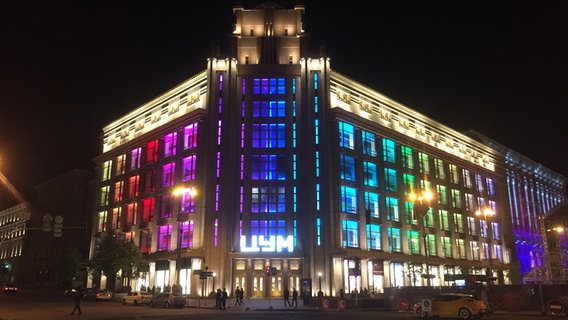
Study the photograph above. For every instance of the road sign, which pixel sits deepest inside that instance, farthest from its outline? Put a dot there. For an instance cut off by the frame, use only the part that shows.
(341, 304)
(426, 305)
(206, 274)
(325, 303)
(555, 306)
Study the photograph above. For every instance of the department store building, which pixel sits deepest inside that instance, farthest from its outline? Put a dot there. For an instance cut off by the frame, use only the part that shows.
(269, 169)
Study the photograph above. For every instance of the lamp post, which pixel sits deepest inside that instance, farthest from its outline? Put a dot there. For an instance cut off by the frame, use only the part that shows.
(420, 206)
(182, 192)
(214, 275)
(320, 293)
(487, 214)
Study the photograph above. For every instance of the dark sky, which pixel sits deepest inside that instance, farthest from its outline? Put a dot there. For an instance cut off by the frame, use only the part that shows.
(68, 68)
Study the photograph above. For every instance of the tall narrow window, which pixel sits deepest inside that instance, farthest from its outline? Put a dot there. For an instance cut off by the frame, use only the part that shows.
(135, 157)
(370, 174)
(190, 136)
(395, 241)
(168, 174)
(346, 135)
(407, 157)
(152, 151)
(348, 199)
(170, 144)
(347, 167)
(389, 150)
(368, 143)
(350, 233)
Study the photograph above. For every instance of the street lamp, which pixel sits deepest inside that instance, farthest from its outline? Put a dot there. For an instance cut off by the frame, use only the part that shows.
(214, 275)
(183, 192)
(420, 206)
(487, 214)
(320, 293)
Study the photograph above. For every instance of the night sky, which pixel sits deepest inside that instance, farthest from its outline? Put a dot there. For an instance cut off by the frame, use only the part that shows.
(68, 68)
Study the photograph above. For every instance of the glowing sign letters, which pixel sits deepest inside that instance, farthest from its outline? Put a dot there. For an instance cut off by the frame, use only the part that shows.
(269, 244)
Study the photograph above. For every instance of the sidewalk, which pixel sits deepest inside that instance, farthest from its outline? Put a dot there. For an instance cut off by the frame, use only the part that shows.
(250, 304)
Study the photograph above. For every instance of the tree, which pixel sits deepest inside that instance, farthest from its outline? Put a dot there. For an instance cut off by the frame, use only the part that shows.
(114, 254)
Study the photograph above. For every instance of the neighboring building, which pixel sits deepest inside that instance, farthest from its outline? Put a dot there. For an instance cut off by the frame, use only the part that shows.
(271, 170)
(12, 233)
(48, 259)
(538, 202)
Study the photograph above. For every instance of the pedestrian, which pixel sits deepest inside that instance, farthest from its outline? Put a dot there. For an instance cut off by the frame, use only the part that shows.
(242, 296)
(287, 297)
(224, 298)
(294, 297)
(237, 295)
(218, 297)
(78, 296)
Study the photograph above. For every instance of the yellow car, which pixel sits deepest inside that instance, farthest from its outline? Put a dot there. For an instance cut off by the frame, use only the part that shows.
(460, 305)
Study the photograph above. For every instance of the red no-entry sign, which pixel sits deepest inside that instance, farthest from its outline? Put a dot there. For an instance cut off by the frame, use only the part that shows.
(555, 306)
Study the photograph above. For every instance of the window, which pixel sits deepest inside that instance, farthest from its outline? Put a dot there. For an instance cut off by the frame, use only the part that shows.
(104, 195)
(268, 167)
(271, 135)
(447, 247)
(348, 199)
(424, 163)
(131, 212)
(374, 237)
(479, 183)
(269, 109)
(392, 209)
(164, 238)
(145, 241)
(458, 223)
(150, 181)
(407, 157)
(346, 135)
(372, 204)
(152, 151)
(133, 186)
(135, 157)
(454, 174)
(189, 165)
(442, 194)
(190, 136)
(170, 144)
(370, 174)
(409, 183)
(444, 220)
(118, 190)
(467, 182)
(102, 219)
(389, 148)
(460, 245)
(469, 202)
(474, 248)
(490, 186)
(268, 199)
(432, 246)
(116, 218)
(440, 169)
(168, 174)
(472, 226)
(350, 233)
(395, 241)
(456, 199)
(391, 181)
(120, 164)
(347, 167)
(148, 207)
(106, 170)
(268, 85)
(368, 143)
(167, 210)
(413, 241)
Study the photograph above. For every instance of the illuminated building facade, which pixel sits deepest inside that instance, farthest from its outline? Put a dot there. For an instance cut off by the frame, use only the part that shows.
(12, 232)
(537, 201)
(271, 162)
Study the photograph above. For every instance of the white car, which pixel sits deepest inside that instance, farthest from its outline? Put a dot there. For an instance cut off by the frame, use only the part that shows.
(137, 297)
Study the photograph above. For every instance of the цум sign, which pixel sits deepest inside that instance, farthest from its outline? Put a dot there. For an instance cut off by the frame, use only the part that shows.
(268, 244)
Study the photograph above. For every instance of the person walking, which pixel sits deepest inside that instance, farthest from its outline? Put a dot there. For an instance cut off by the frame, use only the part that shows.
(294, 297)
(78, 296)
(224, 299)
(242, 296)
(237, 296)
(218, 297)
(287, 297)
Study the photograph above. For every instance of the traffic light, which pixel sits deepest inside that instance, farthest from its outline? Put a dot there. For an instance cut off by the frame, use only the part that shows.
(58, 227)
(47, 224)
(267, 271)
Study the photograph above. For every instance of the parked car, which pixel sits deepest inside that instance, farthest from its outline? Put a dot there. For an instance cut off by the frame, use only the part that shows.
(168, 300)
(92, 294)
(462, 306)
(104, 295)
(9, 288)
(137, 297)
